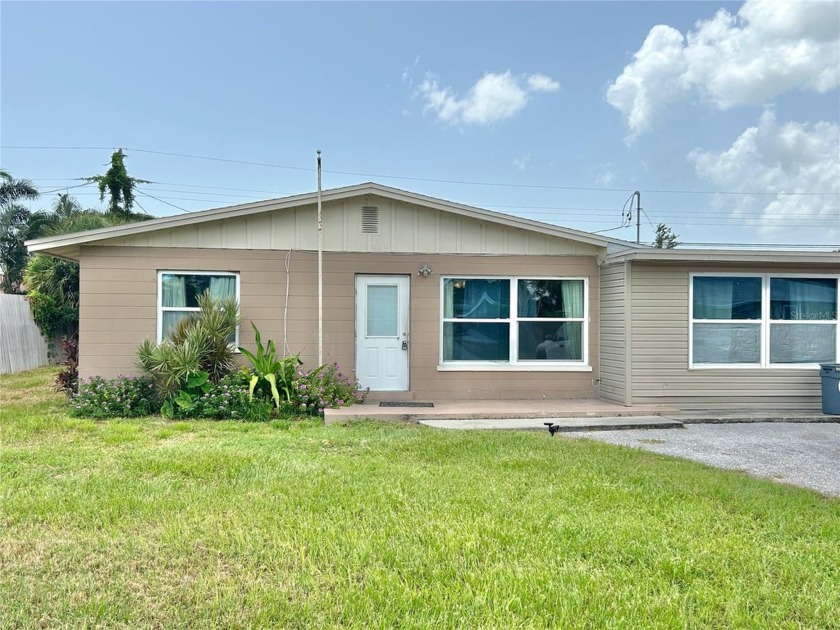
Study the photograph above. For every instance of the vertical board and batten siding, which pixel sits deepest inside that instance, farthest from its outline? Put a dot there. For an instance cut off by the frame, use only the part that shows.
(118, 310)
(22, 346)
(659, 347)
(613, 334)
(403, 228)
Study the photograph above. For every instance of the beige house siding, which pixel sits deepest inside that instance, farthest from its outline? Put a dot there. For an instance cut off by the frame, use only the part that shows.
(659, 346)
(403, 228)
(118, 310)
(613, 334)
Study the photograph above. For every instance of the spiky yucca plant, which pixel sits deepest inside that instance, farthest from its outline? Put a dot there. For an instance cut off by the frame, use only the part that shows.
(199, 343)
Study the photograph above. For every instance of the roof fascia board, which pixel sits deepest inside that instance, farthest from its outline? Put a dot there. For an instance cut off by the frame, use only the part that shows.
(724, 256)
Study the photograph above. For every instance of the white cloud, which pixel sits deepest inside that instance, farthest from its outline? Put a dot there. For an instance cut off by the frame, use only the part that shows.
(542, 83)
(493, 98)
(522, 163)
(408, 70)
(790, 157)
(768, 48)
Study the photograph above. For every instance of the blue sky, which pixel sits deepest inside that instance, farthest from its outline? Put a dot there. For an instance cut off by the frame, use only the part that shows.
(571, 105)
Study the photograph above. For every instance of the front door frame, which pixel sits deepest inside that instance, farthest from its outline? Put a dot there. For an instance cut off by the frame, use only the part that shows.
(403, 282)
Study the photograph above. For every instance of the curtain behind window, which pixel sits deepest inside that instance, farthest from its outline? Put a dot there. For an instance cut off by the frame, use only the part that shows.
(174, 291)
(222, 287)
(572, 291)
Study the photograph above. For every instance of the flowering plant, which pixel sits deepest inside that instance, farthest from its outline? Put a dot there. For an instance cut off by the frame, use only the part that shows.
(322, 388)
(122, 397)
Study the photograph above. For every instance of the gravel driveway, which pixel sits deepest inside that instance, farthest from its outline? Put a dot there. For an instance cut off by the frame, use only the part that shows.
(805, 455)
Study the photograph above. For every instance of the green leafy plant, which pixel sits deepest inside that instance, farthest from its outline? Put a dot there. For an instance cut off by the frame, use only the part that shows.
(268, 368)
(186, 400)
(53, 292)
(119, 187)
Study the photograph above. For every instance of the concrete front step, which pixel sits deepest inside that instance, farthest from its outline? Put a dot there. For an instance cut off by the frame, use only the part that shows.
(564, 425)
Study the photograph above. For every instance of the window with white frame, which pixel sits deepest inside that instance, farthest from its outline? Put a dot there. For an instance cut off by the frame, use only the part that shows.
(178, 293)
(764, 320)
(518, 321)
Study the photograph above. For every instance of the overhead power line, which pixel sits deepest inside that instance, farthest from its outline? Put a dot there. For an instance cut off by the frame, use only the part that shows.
(541, 210)
(419, 179)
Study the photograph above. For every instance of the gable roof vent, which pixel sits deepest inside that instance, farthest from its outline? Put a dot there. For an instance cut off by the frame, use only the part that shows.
(370, 220)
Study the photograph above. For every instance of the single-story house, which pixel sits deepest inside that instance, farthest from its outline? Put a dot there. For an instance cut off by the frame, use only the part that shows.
(427, 299)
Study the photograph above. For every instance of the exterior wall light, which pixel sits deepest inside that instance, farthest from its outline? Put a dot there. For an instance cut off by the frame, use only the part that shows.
(425, 271)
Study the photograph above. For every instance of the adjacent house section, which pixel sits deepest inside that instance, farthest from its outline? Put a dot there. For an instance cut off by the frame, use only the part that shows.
(719, 329)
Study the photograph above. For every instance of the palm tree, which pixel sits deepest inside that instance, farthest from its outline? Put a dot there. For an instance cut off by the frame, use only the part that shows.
(17, 224)
(12, 190)
(65, 207)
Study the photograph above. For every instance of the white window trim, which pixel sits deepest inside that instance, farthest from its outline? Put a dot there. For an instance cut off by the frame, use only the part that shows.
(514, 364)
(191, 309)
(764, 323)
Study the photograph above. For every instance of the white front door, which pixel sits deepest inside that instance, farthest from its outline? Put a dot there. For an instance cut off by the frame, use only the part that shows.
(382, 332)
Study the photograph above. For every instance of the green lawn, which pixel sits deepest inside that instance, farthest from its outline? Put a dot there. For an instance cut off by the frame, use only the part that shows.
(156, 524)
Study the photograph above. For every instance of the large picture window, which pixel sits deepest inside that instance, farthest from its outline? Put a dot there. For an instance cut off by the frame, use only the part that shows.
(764, 320)
(178, 294)
(515, 321)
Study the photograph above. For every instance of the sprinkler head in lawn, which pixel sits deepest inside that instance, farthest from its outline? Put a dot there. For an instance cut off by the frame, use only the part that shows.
(552, 428)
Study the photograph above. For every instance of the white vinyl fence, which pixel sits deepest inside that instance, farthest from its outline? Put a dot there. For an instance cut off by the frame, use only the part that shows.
(22, 347)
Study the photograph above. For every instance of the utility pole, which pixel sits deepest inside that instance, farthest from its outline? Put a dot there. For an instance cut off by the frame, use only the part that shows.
(638, 196)
(320, 271)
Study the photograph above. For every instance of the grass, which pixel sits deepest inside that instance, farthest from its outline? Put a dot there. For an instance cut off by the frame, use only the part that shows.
(158, 524)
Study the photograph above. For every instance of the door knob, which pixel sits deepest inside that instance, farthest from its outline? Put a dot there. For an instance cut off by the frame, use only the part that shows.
(405, 345)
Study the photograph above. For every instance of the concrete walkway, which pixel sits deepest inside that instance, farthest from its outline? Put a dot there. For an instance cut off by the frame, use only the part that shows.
(670, 421)
(567, 415)
(494, 409)
(564, 425)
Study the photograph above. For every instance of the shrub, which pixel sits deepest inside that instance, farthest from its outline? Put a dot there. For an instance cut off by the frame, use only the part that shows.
(122, 397)
(68, 379)
(322, 388)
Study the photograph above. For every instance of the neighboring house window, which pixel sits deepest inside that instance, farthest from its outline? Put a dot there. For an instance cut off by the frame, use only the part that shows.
(178, 294)
(764, 320)
(514, 321)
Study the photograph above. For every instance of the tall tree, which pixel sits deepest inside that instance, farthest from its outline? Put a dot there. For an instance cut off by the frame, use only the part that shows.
(119, 187)
(17, 224)
(665, 237)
